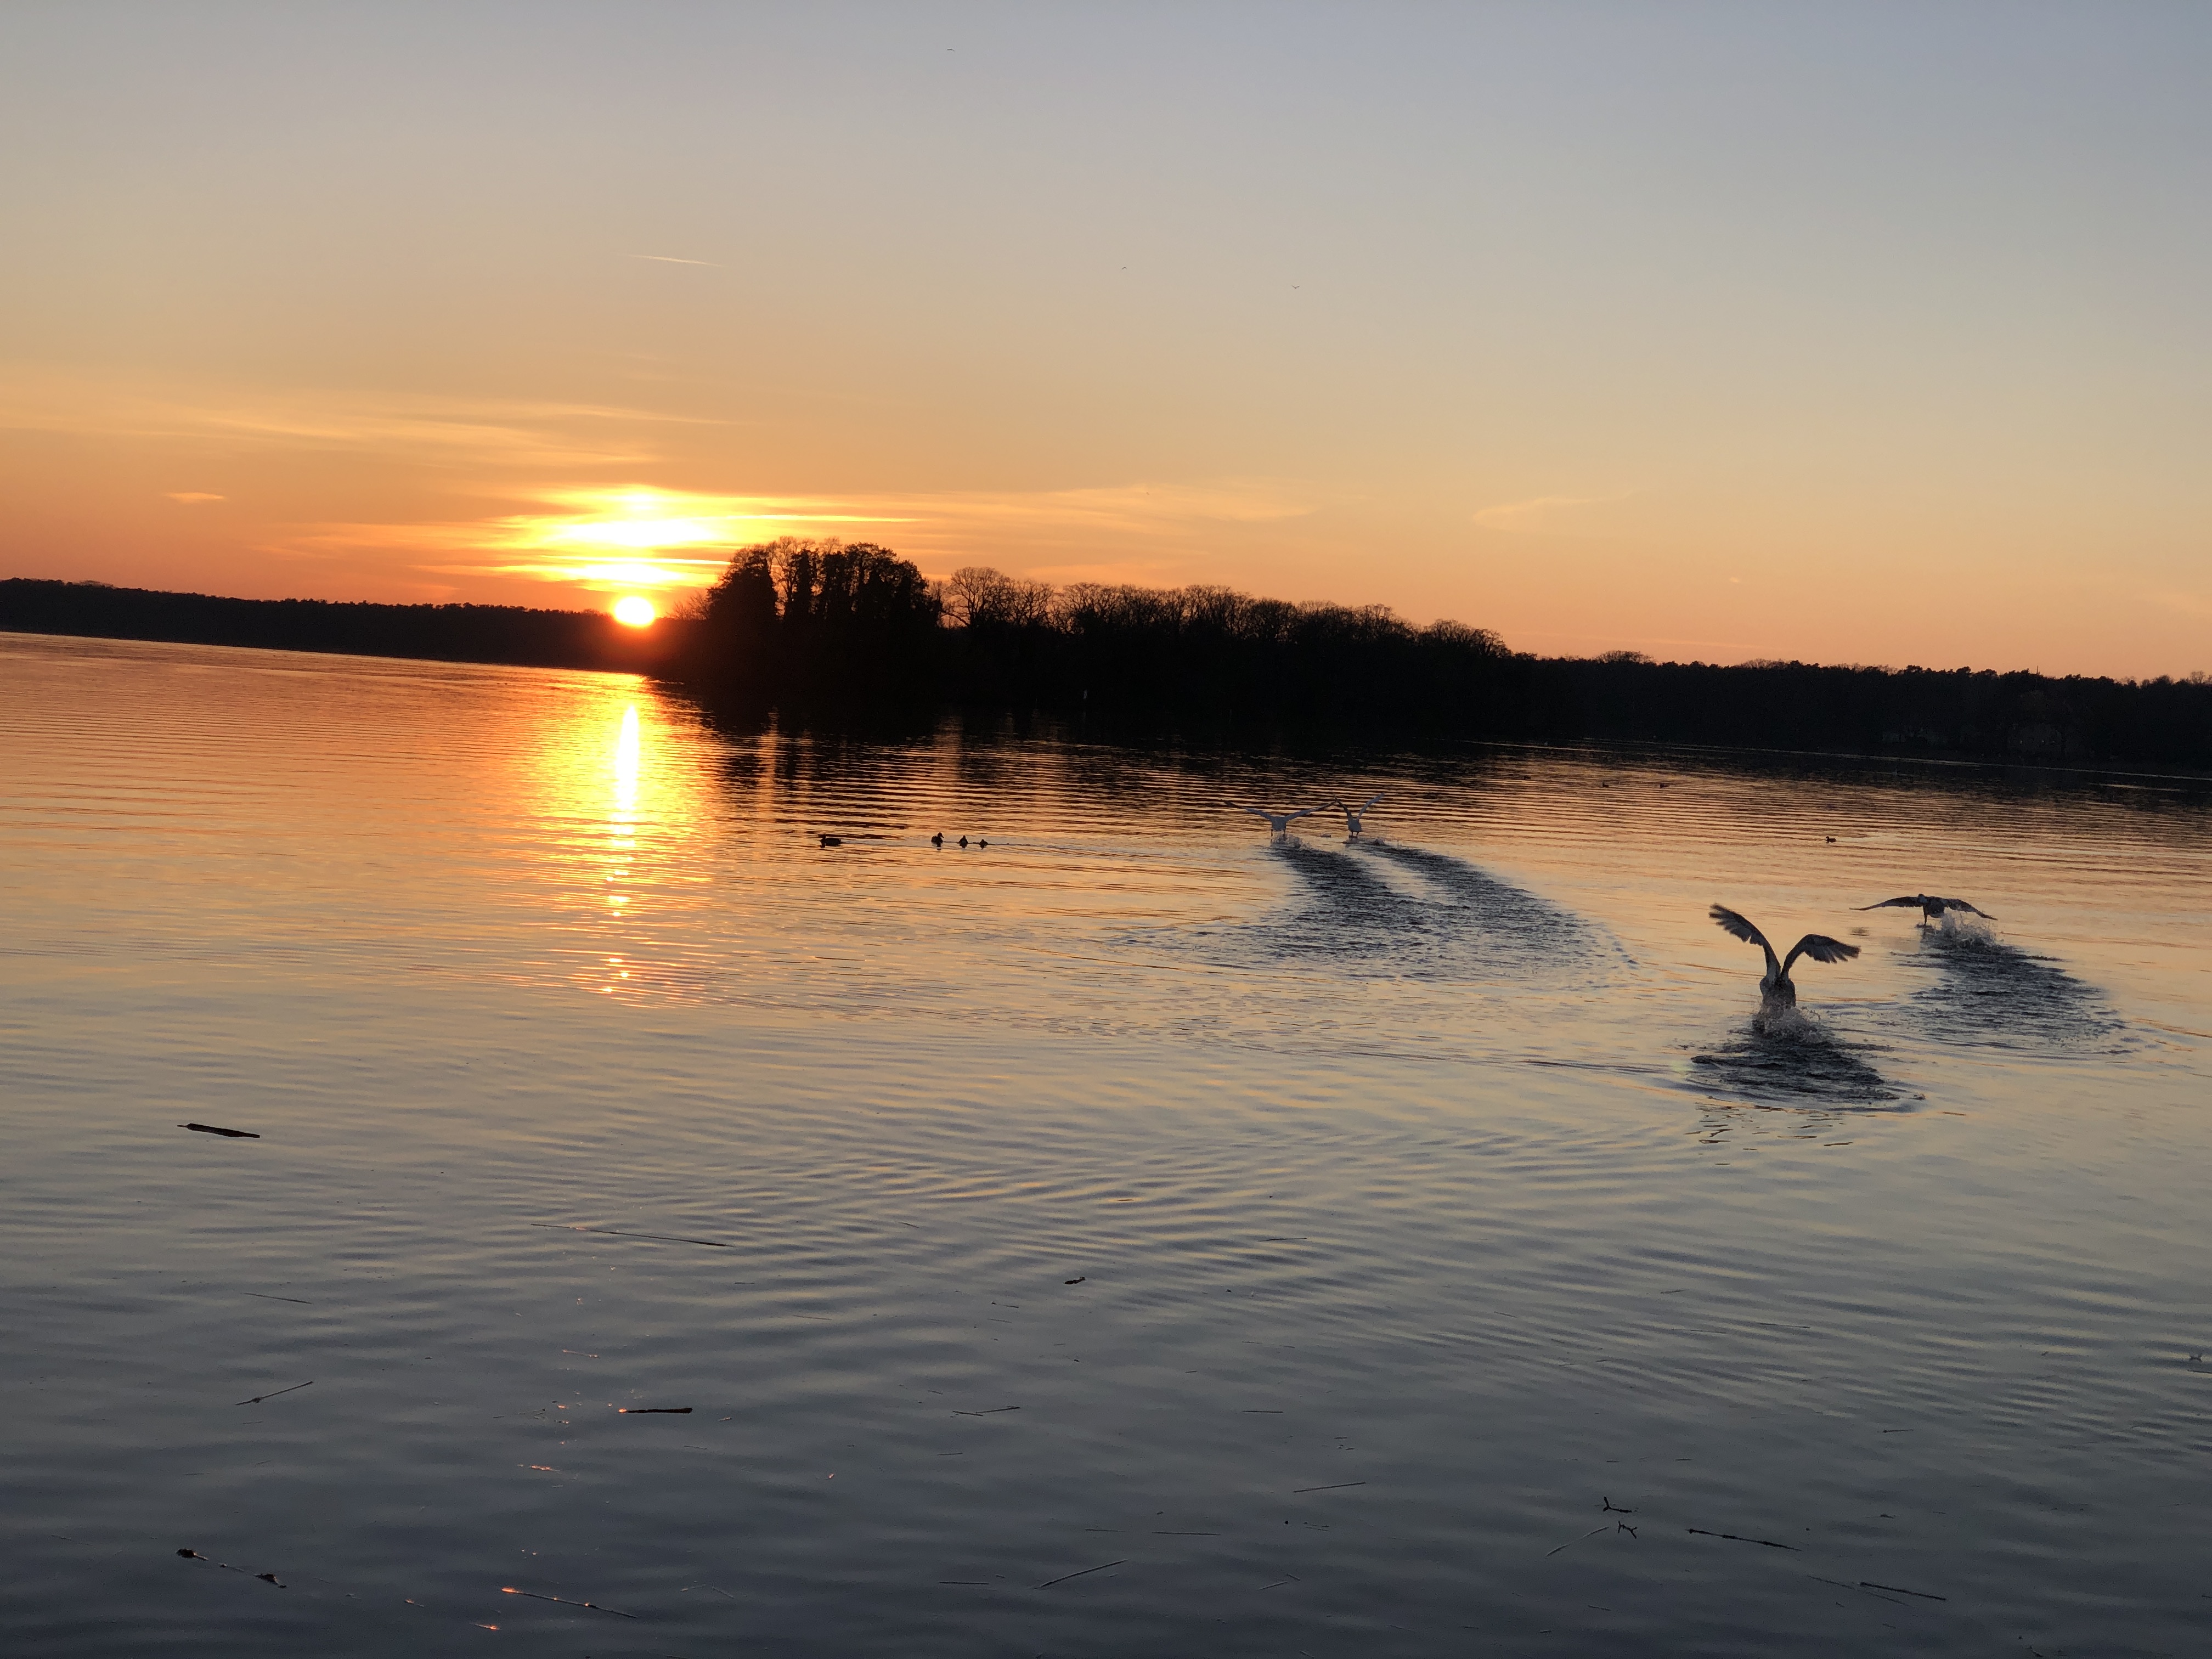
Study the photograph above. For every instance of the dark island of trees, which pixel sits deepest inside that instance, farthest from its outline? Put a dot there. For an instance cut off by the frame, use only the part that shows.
(439, 633)
(828, 631)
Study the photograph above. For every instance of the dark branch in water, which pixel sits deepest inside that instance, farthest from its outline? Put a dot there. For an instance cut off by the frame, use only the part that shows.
(258, 1398)
(1064, 1577)
(1735, 1538)
(509, 1589)
(617, 1233)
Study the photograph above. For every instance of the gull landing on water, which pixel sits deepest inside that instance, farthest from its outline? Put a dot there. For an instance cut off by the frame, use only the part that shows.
(1353, 814)
(1278, 823)
(1931, 909)
(1776, 986)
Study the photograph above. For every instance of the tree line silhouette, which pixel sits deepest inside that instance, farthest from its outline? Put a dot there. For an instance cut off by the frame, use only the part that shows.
(828, 630)
(437, 633)
(822, 625)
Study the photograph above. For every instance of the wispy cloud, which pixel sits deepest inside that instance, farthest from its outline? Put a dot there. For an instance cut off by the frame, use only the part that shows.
(443, 432)
(191, 497)
(638, 535)
(670, 260)
(1539, 514)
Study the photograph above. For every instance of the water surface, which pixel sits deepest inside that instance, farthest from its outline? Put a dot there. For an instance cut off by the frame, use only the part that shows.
(1454, 1265)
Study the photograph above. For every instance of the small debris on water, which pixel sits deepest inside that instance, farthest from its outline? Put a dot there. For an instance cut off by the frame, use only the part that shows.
(258, 1398)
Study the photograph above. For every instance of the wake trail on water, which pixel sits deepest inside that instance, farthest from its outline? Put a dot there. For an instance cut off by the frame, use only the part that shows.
(1461, 924)
(1787, 1056)
(1997, 995)
(1508, 920)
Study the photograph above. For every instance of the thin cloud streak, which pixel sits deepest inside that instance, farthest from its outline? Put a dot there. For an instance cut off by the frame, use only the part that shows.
(1539, 513)
(489, 433)
(692, 534)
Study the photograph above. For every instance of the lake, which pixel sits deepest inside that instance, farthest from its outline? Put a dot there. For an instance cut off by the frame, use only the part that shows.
(667, 1235)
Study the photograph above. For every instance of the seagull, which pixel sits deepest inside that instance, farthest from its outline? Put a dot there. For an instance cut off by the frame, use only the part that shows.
(1931, 909)
(1280, 823)
(1775, 988)
(1353, 814)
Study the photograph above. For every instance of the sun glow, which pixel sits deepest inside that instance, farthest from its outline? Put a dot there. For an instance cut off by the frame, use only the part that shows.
(635, 610)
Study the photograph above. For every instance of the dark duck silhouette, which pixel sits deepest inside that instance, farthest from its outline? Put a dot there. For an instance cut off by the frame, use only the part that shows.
(1776, 988)
(1931, 909)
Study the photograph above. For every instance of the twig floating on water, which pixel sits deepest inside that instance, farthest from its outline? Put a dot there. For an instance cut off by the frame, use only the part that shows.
(993, 1412)
(509, 1589)
(643, 1411)
(258, 1398)
(1592, 1533)
(1867, 1583)
(228, 1135)
(265, 1296)
(1064, 1577)
(1737, 1538)
(617, 1233)
(1077, 1280)
(265, 1578)
(1339, 1487)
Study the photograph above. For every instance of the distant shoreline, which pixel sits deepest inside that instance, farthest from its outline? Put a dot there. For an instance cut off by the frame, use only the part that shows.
(2161, 725)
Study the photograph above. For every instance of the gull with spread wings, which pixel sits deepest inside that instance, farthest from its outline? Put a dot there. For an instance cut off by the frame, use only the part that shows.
(1353, 814)
(1278, 823)
(1776, 986)
(1931, 909)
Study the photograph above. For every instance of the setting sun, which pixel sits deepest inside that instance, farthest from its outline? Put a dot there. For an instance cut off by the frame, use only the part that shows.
(635, 612)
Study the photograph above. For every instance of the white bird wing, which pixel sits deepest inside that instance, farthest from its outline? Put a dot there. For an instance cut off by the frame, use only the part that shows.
(1369, 802)
(1300, 813)
(1254, 810)
(1820, 948)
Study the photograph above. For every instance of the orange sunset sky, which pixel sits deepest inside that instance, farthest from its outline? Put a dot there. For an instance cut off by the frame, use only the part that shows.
(1843, 332)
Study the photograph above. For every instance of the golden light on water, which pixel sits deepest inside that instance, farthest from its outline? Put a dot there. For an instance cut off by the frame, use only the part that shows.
(626, 757)
(635, 610)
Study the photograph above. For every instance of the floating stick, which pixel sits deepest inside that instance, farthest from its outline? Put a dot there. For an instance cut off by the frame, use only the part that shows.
(643, 1411)
(1867, 1583)
(617, 1233)
(1339, 1487)
(258, 1398)
(265, 1296)
(228, 1135)
(993, 1412)
(509, 1589)
(1592, 1533)
(1735, 1538)
(1064, 1577)
(265, 1578)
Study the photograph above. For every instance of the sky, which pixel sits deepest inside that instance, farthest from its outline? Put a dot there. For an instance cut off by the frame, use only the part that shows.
(1850, 333)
